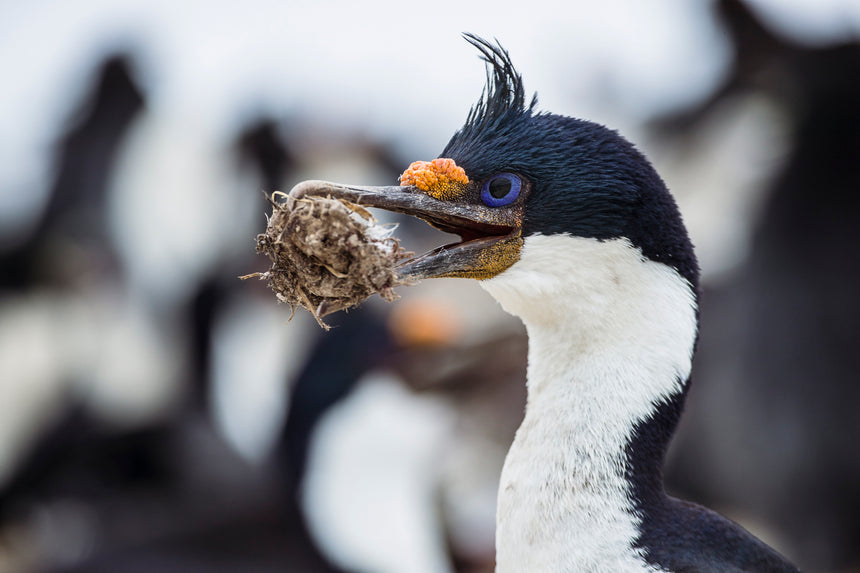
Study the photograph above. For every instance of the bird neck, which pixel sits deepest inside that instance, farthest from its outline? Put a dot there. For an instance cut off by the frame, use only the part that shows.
(611, 337)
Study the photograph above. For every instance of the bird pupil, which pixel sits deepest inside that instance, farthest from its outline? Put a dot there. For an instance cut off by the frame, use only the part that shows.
(500, 187)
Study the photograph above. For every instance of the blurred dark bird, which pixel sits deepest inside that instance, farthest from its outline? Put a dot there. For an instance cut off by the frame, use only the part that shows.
(777, 357)
(71, 235)
(333, 367)
(172, 496)
(569, 227)
(91, 494)
(261, 146)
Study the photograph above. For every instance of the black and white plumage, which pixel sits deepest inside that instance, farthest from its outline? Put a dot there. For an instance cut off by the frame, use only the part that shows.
(571, 229)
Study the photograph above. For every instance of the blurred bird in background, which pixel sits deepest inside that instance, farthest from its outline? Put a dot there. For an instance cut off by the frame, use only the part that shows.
(158, 414)
(781, 358)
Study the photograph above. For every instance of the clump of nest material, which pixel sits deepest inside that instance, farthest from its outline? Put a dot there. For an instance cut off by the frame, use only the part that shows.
(327, 255)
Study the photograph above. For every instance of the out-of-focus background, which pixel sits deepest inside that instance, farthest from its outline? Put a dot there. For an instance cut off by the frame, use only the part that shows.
(158, 414)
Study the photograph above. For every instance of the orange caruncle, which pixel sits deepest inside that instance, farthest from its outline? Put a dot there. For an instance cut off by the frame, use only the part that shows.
(440, 178)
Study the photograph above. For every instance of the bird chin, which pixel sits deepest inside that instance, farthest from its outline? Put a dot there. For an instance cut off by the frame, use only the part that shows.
(480, 258)
(491, 240)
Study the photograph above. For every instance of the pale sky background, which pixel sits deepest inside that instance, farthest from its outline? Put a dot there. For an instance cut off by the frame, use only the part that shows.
(395, 69)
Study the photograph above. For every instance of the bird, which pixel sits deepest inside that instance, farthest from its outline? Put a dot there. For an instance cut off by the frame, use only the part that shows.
(570, 228)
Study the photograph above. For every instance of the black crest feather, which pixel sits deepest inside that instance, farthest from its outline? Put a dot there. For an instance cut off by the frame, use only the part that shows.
(503, 99)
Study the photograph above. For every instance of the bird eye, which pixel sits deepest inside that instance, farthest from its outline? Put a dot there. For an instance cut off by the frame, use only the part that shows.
(501, 189)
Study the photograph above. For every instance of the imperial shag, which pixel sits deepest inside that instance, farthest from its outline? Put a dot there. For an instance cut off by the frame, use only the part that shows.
(570, 228)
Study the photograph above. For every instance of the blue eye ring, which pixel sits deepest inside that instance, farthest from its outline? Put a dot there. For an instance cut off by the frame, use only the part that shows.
(501, 189)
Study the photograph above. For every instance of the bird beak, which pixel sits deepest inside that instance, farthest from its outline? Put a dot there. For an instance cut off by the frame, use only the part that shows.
(491, 238)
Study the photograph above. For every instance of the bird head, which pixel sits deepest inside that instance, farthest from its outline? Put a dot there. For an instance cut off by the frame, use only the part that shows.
(540, 201)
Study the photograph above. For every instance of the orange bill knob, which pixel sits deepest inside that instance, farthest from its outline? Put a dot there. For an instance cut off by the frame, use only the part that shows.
(441, 178)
